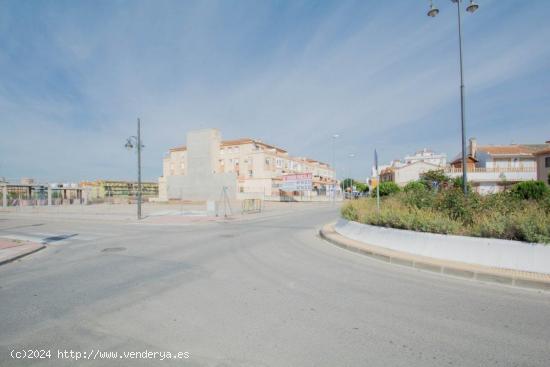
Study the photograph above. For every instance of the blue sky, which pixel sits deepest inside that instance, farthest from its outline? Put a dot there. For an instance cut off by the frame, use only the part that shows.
(75, 75)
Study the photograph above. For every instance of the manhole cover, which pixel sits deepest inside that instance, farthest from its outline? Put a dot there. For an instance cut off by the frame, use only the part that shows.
(228, 235)
(113, 249)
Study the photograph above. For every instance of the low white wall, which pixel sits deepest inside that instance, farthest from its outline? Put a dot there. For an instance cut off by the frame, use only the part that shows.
(506, 254)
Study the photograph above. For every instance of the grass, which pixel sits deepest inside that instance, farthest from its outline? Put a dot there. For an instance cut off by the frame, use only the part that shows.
(503, 215)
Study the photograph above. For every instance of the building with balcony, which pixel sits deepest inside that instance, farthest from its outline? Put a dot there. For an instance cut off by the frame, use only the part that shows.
(257, 168)
(491, 168)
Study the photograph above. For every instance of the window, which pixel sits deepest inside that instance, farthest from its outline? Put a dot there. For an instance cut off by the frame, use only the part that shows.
(547, 162)
(250, 173)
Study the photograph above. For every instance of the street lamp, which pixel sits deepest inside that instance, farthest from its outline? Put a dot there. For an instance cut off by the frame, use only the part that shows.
(135, 142)
(471, 8)
(334, 137)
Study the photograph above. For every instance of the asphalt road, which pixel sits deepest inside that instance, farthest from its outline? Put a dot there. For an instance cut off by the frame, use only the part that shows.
(260, 292)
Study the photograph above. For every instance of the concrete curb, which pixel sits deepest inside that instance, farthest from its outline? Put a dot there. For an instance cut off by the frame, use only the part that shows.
(30, 249)
(458, 269)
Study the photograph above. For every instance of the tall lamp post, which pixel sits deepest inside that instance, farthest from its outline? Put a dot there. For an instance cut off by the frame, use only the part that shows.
(471, 8)
(334, 137)
(135, 142)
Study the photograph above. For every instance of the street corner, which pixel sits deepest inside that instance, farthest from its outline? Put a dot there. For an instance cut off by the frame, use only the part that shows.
(11, 250)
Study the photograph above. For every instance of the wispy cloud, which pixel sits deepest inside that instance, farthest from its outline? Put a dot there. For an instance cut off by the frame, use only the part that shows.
(76, 75)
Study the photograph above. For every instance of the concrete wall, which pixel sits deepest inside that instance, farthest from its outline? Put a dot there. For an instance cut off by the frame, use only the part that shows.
(201, 187)
(202, 179)
(481, 251)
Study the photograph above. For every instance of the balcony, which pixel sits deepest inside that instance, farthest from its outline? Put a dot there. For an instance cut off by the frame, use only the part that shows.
(481, 174)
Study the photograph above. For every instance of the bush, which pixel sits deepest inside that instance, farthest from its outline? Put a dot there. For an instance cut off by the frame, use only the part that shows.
(415, 186)
(434, 178)
(503, 215)
(530, 190)
(417, 195)
(457, 183)
(388, 188)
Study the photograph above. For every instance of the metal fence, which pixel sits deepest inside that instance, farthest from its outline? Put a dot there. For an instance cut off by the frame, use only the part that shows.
(251, 206)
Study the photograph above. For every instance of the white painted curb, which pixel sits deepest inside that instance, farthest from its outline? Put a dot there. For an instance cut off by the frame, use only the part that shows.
(515, 255)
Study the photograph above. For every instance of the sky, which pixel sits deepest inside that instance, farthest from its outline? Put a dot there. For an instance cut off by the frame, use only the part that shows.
(75, 76)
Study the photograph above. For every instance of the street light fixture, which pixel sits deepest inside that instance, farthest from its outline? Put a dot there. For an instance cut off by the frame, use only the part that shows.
(472, 7)
(131, 143)
(433, 11)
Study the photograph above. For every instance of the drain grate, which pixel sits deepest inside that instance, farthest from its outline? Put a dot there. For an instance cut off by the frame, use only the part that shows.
(228, 235)
(113, 249)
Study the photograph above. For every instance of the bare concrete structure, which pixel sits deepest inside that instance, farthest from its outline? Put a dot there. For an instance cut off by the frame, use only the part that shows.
(203, 179)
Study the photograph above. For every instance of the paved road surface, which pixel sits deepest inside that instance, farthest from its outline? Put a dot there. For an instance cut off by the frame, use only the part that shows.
(264, 292)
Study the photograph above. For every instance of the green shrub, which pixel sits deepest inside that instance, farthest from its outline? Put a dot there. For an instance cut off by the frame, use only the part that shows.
(458, 206)
(449, 211)
(388, 188)
(417, 195)
(415, 186)
(457, 183)
(436, 178)
(530, 190)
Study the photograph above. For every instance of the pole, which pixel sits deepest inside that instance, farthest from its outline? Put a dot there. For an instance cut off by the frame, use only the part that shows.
(463, 124)
(378, 192)
(139, 168)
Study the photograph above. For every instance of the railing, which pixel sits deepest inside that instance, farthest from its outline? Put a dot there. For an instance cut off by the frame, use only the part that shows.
(491, 170)
(251, 206)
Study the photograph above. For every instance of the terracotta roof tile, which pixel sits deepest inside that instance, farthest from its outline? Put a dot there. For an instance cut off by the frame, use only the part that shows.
(505, 150)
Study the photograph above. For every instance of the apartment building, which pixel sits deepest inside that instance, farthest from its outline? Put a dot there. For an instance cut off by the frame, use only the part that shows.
(412, 166)
(491, 168)
(258, 167)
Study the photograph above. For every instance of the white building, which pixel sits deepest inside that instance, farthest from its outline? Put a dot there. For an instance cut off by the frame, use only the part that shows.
(412, 166)
(491, 168)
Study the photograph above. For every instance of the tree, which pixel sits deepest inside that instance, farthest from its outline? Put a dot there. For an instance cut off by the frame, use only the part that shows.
(388, 188)
(434, 178)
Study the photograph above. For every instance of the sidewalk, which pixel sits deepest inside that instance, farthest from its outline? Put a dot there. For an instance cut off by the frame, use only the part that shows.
(11, 250)
(453, 268)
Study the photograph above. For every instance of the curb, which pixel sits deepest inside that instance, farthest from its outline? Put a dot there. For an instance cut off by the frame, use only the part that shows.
(22, 254)
(453, 268)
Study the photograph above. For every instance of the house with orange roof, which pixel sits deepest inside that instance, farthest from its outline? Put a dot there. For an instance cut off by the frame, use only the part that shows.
(491, 168)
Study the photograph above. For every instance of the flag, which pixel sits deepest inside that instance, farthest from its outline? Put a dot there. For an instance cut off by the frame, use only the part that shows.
(376, 161)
